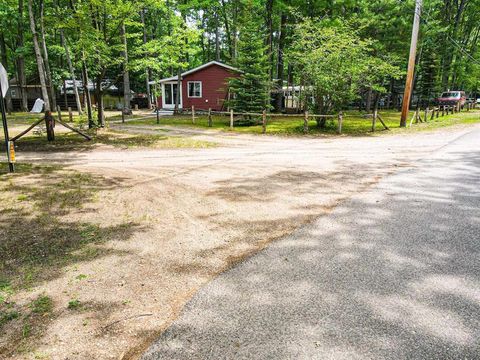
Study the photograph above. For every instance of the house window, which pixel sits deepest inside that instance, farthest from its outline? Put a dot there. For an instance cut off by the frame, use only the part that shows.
(195, 89)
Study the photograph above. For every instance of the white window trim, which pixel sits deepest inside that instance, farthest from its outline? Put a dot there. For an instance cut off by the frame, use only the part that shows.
(188, 88)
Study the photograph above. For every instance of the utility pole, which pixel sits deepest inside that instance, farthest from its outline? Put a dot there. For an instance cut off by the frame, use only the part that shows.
(411, 64)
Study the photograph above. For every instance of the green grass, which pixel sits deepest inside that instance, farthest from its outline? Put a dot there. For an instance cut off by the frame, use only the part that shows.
(42, 305)
(74, 304)
(73, 142)
(354, 123)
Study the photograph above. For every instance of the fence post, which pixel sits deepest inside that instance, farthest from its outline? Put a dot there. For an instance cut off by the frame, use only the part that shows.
(305, 122)
(374, 120)
(193, 114)
(59, 112)
(231, 118)
(70, 115)
(264, 122)
(209, 117)
(443, 110)
(426, 114)
(438, 112)
(158, 115)
(123, 115)
(340, 122)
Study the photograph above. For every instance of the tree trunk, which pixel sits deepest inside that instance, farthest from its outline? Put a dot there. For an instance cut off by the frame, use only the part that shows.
(38, 57)
(269, 20)
(22, 78)
(86, 93)
(126, 77)
(48, 74)
(72, 72)
(147, 71)
(217, 38)
(99, 96)
(281, 45)
(4, 59)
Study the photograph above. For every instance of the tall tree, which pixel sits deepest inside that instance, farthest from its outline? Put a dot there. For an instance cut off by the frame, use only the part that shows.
(38, 57)
(251, 89)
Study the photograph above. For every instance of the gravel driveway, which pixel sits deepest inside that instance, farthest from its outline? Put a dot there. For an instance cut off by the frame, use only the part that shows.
(198, 213)
(392, 273)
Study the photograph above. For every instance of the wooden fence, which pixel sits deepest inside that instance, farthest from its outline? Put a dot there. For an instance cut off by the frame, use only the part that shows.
(375, 118)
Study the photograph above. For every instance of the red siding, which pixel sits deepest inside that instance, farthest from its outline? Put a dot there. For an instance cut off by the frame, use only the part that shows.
(214, 80)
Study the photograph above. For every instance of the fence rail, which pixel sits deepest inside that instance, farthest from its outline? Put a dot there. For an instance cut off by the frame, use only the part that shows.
(418, 116)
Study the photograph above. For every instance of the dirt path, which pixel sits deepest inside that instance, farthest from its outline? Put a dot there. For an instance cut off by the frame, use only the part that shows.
(198, 212)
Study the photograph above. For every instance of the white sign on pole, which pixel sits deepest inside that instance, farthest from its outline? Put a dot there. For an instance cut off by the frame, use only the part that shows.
(3, 80)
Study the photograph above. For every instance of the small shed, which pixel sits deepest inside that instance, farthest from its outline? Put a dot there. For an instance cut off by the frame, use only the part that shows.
(204, 87)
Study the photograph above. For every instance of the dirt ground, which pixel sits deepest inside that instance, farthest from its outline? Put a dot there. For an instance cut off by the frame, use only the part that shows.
(184, 216)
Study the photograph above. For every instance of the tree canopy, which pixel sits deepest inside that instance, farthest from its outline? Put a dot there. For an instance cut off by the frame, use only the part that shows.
(345, 50)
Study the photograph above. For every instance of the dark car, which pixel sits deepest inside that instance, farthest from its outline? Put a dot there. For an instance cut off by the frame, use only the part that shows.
(452, 98)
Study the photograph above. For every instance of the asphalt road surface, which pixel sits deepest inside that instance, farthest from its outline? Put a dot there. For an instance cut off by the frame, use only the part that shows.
(393, 273)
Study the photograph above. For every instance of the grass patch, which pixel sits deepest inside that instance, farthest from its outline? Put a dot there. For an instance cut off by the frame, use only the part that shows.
(39, 237)
(42, 305)
(354, 123)
(7, 316)
(73, 142)
(74, 304)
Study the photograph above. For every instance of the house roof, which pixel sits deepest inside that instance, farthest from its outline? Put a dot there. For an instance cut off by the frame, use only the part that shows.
(172, 78)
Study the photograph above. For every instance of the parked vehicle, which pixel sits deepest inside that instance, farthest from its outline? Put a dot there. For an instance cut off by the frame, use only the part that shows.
(478, 101)
(452, 98)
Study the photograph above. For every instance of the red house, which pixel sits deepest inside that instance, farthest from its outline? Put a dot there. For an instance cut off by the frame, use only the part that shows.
(204, 87)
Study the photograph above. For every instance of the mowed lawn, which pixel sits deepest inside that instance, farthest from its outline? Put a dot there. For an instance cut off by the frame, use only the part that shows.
(354, 123)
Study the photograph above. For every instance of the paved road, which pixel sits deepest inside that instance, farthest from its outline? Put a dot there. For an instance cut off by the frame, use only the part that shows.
(391, 274)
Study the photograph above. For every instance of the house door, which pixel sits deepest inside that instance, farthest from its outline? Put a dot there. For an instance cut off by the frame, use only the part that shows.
(169, 95)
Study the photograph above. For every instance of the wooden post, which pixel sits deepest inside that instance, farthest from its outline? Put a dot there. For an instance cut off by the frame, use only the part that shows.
(305, 122)
(438, 111)
(59, 113)
(123, 115)
(264, 122)
(231, 118)
(425, 114)
(340, 122)
(416, 115)
(374, 120)
(70, 114)
(158, 116)
(433, 114)
(443, 110)
(50, 125)
(193, 114)
(209, 117)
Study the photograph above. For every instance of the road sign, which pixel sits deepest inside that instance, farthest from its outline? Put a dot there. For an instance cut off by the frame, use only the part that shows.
(3, 80)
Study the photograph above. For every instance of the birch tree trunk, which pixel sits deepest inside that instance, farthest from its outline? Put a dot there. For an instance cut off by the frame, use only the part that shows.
(72, 72)
(147, 71)
(48, 74)
(4, 60)
(126, 77)
(22, 78)
(38, 57)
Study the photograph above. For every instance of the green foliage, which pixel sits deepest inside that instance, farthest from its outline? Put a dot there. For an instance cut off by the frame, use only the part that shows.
(335, 63)
(251, 90)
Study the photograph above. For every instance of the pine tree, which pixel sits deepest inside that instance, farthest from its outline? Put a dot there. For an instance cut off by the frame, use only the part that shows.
(251, 90)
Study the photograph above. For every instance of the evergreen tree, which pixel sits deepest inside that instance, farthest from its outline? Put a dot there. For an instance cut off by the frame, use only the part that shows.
(251, 91)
